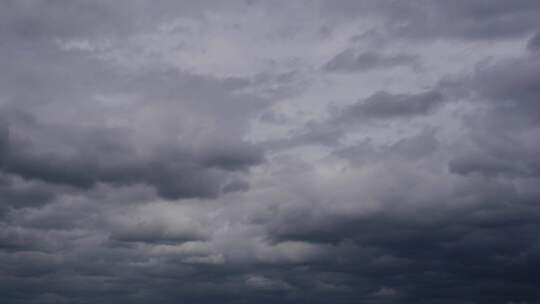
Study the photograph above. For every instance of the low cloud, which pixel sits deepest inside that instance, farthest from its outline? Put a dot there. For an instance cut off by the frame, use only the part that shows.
(242, 152)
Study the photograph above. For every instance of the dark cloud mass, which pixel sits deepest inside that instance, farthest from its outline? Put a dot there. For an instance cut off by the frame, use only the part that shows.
(349, 62)
(386, 105)
(244, 152)
(534, 42)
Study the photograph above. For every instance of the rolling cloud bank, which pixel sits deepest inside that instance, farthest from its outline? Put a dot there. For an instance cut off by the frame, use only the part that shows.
(372, 151)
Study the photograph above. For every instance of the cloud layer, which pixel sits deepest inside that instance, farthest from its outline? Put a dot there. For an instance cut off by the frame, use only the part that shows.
(245, 152)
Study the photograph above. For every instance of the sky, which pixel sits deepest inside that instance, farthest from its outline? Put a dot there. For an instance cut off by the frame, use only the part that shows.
(324, 151)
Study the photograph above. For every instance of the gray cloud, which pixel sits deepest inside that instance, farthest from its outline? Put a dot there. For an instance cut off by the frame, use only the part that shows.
(380, 107)
(469, 20)
(174, 172)
(504, 141)
(244, 152)
(386, 105)
(348, 61)
(534, 43)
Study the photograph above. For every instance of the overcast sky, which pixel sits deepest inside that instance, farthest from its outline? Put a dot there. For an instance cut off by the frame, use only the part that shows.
(336, 151)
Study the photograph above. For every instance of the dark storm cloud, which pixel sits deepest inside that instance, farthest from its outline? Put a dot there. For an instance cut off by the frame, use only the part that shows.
(61, 80)
(456, 253)
(534, 43)
(479, 235)
(236, 185)
(505, 136)
(174, 172)
(385, 105)
(15, 192)
(153, 234)
(487, 165)
(174, 152)
(348, 61)
(512, 85)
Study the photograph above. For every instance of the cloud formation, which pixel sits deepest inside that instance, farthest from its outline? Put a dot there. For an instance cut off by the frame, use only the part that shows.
(239, 152)
(349, 62)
